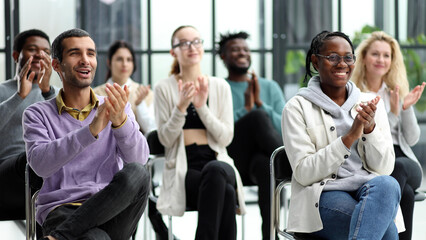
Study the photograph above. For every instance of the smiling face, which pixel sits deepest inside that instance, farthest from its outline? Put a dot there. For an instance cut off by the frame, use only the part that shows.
(79, 63)
(34, 46)
(192, 55)
(333, 76)
(378, 59)
(121, 65)
(237, 56)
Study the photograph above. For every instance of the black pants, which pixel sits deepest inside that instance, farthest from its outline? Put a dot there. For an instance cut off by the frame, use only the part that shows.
(211, 192)
(409, 176)
(112, 213)
(12, 188)
(255, 138)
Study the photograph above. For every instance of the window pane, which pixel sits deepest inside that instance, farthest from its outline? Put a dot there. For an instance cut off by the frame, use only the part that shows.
(2, 26)
(167, 15)
(161, 65)
(352, 22)
(2, 67)
(59, 16)
(227, 19)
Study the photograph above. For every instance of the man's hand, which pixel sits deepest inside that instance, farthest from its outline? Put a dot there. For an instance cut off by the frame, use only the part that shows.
(186, 93)
(413, 96)
(43, 78)
(116, 101)
(100, 121)
(141, 93)
(249, 95)
(256, 90)
(25, 81)
(202, 92)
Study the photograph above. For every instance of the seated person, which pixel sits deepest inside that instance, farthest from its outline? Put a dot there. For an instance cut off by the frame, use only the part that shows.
(195, 124)
(31, 84)
(78, 143)
(380, 69)
(257, 105)
(340, 149)
(121, 65)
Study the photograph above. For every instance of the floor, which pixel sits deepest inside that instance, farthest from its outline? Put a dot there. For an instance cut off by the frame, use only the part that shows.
(184, 227)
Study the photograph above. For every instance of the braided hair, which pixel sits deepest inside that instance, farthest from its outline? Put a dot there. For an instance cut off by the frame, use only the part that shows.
(317, 44)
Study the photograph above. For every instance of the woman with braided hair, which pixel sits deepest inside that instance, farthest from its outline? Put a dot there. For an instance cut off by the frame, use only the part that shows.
(340, 149)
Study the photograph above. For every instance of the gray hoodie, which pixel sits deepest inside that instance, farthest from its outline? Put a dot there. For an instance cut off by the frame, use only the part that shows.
(351, 175)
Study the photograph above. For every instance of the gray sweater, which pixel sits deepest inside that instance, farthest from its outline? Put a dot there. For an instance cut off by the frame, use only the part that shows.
(11, 108)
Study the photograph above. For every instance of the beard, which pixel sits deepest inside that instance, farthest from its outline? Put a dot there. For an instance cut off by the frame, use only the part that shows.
(239, 70)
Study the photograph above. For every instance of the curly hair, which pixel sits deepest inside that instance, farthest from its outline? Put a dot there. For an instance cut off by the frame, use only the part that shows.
(224, 38)
(316, 45)
(397, 74)
(21, 38)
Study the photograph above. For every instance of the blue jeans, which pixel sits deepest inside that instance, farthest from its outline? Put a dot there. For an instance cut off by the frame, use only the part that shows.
(112, 213)
(368, 213)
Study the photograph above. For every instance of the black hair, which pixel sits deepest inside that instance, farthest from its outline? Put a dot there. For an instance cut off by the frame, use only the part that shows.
(57, 48)
(113, 49)
(224, 38)
(21, 38)
(316, 45)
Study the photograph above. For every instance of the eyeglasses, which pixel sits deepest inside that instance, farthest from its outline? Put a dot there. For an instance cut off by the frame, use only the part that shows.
(335, 58)
(197, 43)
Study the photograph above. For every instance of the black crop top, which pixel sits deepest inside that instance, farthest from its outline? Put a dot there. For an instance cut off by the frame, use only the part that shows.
(192, 120)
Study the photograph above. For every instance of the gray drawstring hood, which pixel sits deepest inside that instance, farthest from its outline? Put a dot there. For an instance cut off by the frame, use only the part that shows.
(351, 174)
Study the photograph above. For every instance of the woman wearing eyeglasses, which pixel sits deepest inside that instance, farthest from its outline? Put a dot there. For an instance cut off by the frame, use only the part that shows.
(381, 70)
(195, 124)
(339, 146)
(121, 65)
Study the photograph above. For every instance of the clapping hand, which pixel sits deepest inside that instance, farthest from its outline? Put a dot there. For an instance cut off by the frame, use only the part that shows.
(141, 94)
(202, 92)
(186, 93)
(364, 122)
(112, 109)
(413, 96)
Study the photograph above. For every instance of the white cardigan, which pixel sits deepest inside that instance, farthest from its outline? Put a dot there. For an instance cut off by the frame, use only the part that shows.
(217, 117)
(316, 153)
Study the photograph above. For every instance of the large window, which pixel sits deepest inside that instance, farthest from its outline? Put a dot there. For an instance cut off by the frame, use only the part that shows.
(56, 17)
(281, 30)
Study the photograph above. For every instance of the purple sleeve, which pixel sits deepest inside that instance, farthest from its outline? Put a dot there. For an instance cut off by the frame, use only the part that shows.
(132, 145)
(46, 156)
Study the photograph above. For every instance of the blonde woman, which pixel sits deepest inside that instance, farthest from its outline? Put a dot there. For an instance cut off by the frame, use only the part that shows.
(380, 69)
(121, 65)
(195, 124)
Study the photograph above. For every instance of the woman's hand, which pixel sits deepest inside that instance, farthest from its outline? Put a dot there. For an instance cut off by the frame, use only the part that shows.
(364, 122)
(394, 100)
(202, 92)
(141, 94)
(413, 96)
(186, 93)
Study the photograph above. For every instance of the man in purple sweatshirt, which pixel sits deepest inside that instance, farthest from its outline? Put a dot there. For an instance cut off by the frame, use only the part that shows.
(88, 149)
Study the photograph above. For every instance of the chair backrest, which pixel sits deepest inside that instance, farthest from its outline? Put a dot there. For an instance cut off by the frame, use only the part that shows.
(281, 165)
(155, 146)
(280, 177)
(33, 183)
